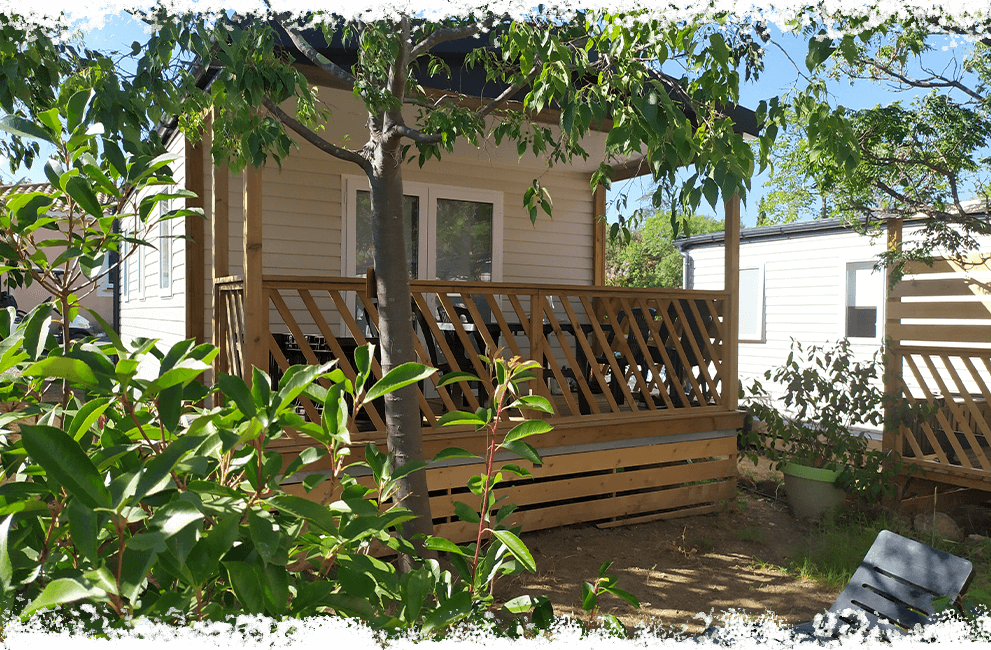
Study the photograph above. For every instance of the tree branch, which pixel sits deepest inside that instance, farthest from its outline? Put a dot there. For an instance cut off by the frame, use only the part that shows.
(936, 81)
(505, 95)
(449, 34)
(943, 27)
(416, 135)
(339, 74)
(310, 136)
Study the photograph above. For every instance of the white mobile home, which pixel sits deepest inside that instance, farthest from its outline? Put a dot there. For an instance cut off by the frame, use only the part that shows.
(813, 281)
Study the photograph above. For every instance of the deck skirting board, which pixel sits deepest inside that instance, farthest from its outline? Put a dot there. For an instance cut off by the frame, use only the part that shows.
(602, 483)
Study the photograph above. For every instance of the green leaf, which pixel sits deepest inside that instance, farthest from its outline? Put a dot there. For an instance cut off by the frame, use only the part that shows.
(625, 595)
(208, 551)
(452, 452)
(86, 417)
(62, 591)
(523, 450)
(616, 625)
(466, 513)
(453, 609)
(80, 190)
(543, 613)
(6, 566)
(234, 388)
(296, 380)
(517, 548)
(64, 459)
(398, 377)
(442, 545)
(264, 536)
(305, 509)
(83, 526)
(461, 417)
(247, 586)
(157, 469)
(77, 107)
(525, 429)
(453, 377)
(419, 584)
(76, 371)
(589, 597)
(24, 128)
(534, 403)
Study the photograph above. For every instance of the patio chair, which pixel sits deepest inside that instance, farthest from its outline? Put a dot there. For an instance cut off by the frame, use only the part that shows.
(892, 590)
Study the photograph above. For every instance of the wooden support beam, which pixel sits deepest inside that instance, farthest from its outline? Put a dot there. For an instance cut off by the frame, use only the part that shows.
(599, 236)
(195, 231)
(891, 438)
(731, 346)
(255, 301)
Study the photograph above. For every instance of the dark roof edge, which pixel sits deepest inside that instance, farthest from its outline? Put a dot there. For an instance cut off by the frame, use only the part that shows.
(795, 229)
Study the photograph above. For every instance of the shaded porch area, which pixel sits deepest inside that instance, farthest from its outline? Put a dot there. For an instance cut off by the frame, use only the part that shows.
(644, 422)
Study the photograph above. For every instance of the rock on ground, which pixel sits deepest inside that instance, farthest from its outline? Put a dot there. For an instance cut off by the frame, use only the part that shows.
(938, 523)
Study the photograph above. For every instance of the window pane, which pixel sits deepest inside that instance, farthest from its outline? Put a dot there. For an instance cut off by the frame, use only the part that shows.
(365, 244)
(464, 241)
(863, 296)
(751, 305)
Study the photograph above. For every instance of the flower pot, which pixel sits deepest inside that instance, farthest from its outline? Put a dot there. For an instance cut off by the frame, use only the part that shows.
(812, 491)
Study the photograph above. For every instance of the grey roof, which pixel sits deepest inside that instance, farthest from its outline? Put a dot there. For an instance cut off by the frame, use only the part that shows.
(787, 230)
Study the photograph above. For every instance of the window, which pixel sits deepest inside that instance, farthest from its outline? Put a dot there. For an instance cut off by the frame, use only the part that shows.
(164, 251)
(451, 233)
(864, 291)
(752, 304)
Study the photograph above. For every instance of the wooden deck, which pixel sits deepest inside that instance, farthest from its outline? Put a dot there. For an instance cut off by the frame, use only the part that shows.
(644, 426)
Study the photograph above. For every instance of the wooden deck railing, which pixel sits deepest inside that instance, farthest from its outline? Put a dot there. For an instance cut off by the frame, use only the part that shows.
(939, 330)
(603, 350)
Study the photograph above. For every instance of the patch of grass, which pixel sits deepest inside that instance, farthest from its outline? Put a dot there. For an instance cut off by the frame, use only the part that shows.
(750, 534)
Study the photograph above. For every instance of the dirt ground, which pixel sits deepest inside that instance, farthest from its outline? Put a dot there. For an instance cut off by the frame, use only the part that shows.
(680, 568)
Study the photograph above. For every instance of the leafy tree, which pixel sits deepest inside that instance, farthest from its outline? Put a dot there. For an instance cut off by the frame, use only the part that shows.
(649, 258)
(576, 69)
(793, 193)
(928, 156)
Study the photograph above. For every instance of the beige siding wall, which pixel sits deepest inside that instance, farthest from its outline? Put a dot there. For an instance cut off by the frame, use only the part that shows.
(148, 311)
(304, 220)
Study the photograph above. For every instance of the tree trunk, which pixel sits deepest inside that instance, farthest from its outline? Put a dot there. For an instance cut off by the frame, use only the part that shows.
(402, 411)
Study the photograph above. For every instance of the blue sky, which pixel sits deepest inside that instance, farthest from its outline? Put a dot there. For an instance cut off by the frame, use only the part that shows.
(779, 76)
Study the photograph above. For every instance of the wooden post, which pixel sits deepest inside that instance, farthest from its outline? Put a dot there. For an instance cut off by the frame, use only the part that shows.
(220, 224)
(892, 435)
(599, 236)
(731, 346)
(195, 246)
(255, 303)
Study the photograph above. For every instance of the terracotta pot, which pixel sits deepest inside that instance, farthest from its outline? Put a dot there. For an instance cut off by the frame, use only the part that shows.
(812, 491)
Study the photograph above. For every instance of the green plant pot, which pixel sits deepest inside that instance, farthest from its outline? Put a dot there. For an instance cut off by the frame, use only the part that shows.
(812, 492)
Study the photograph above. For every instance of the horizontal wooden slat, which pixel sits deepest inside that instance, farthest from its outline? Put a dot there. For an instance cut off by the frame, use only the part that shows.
(940, 287)
(597, 485)
(943, 333)
(937, 309)
(589, 511)
(973, 263)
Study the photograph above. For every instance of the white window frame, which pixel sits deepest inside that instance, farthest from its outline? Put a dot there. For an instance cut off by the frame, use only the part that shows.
(140, 275)
(845, 302)
(165, 253)
(428, 195)
(123, 266)
(752, 336)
